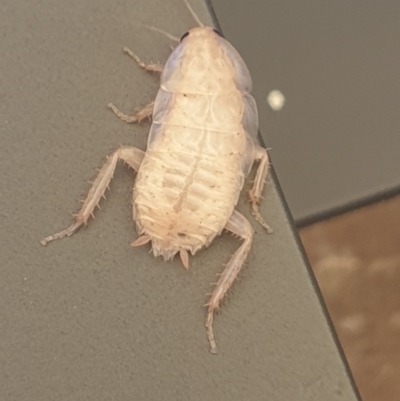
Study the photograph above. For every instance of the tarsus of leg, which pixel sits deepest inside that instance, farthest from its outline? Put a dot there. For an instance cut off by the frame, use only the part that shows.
(258, 186)
(154, 67)
(146, 112)
(241, 227)
(132, 156)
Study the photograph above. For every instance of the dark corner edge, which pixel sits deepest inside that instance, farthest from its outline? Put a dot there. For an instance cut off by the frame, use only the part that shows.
(213, 15)
(380, 196)
(313, 279)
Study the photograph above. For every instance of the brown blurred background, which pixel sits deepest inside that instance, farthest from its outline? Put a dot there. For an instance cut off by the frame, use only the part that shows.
(356, 260)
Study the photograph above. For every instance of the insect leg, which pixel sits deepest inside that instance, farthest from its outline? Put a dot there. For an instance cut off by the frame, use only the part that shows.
(240, 226)
(132, 156)
(259, 181)
(146, 112)
(156, 67)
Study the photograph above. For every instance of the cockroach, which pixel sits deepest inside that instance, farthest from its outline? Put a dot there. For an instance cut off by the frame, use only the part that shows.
(201, 147)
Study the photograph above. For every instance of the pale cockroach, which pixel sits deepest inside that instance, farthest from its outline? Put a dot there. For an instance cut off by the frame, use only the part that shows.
(201, 146)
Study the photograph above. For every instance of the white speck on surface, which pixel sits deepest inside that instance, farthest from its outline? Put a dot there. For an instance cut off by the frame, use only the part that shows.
(276, 100)
(353, 323)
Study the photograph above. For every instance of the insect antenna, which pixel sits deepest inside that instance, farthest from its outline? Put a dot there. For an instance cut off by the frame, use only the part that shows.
(168, 35)
(194, 15)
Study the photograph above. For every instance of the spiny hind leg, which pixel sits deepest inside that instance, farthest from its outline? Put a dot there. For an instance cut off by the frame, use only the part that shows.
(241, 227)
(132, 156)
(258, 186)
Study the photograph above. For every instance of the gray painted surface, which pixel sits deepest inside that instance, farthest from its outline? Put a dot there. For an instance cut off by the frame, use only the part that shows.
(88, 317)
(337, 62)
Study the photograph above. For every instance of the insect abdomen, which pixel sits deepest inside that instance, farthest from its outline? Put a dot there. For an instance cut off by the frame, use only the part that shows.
(185, 194)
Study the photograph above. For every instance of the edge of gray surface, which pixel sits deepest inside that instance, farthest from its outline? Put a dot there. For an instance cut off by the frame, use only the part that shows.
(89, 317)
(348, 207)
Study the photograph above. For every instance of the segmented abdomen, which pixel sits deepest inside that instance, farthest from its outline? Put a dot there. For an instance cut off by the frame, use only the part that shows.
(184, 193)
